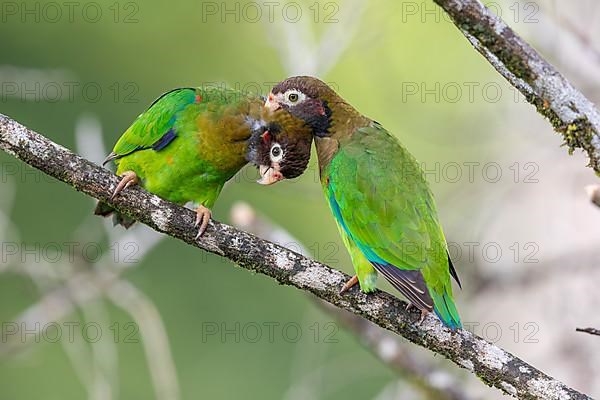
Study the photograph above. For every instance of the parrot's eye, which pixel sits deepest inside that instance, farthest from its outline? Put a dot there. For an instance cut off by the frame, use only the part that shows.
(276, 153)
(293, 97)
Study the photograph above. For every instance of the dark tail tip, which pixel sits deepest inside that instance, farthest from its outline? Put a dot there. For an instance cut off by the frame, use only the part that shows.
(123, 220)
(105, 210)
(453, 271)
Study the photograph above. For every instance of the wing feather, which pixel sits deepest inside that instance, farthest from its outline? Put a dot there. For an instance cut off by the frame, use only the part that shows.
(388, 210)
(154, 128)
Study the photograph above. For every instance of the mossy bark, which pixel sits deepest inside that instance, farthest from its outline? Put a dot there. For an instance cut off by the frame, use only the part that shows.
(570, 112)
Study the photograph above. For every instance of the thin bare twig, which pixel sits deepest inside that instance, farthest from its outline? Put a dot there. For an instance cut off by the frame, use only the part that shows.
(591, 331)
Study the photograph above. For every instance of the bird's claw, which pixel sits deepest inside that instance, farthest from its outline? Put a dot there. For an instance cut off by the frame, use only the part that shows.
(203, 215)
(128, 178)
(424, 313)
(351, 282)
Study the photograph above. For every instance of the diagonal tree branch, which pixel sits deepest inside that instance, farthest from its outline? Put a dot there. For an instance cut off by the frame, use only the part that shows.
(493, 365)
(569, 111)
(432, 382)
(389, 348)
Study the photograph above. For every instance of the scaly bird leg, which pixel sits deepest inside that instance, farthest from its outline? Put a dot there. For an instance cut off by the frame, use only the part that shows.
(203, 215)
(423, 315)
(353, 281)
(129, 178)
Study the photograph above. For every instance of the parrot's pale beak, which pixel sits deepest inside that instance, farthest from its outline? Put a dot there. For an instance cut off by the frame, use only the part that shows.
(269, 175)
(271, 103)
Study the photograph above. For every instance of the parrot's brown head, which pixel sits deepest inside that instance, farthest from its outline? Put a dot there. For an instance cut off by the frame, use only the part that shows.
(281, 148)
(307, 98)
(309, 107)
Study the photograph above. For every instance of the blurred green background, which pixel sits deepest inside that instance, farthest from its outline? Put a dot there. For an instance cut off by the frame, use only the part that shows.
(83, 76)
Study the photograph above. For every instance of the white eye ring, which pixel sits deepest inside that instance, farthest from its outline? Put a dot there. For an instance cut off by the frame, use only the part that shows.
(276, 153)
(291, 94)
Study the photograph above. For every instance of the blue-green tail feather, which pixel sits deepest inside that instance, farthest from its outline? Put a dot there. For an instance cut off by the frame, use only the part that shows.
(446, 310)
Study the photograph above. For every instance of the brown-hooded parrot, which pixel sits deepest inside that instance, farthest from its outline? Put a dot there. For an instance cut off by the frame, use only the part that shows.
(190, 141)
(378, 194)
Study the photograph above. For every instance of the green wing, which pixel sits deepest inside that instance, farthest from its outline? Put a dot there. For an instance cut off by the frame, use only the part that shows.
(154, 127)
(379, 195)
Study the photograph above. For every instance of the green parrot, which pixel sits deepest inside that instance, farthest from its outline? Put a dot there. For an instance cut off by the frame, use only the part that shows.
(190, 141)
(378, 194)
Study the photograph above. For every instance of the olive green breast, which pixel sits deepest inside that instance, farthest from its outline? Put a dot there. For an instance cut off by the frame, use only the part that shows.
(209, 147)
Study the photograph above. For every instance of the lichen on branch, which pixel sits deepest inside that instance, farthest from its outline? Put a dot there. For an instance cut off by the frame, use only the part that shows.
(493, 365)
(568, 110)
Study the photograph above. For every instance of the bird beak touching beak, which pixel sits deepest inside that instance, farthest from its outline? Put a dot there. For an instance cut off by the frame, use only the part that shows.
(269, 175)
(271, 103)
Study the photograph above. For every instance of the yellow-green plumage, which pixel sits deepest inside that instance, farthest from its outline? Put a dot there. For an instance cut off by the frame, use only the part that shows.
(378, 194)
(209, 147)
(188, 144)
(386, 213)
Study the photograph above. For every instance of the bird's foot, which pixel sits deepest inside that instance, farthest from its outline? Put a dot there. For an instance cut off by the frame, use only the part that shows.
(128, 178)
(353, 281)
(410, 306)
(423, 315)
(203, 215)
